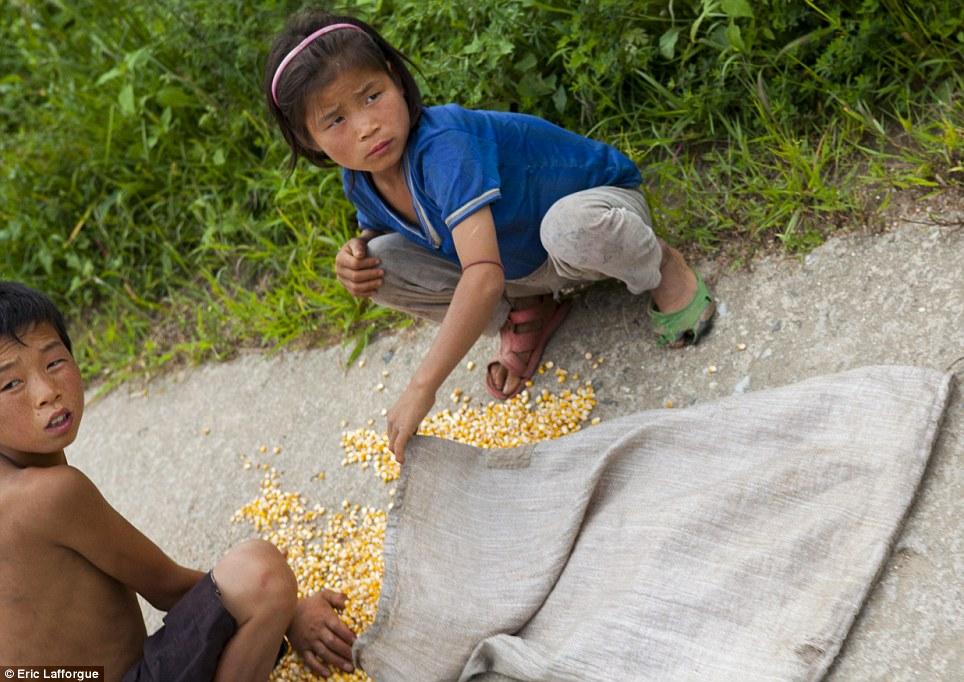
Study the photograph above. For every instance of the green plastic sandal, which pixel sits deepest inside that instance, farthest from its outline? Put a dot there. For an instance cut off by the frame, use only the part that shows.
(686, 326)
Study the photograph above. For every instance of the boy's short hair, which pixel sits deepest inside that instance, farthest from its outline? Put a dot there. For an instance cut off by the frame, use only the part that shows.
(22, 307)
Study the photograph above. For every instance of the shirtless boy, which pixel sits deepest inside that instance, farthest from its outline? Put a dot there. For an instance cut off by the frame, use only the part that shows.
(70, 565)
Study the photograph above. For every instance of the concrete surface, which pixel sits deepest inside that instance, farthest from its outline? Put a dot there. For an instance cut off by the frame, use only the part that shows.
(167, 455)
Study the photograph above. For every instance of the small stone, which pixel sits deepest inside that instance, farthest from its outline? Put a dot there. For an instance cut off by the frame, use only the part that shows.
(470, 365)
(741, 346)
(361, 363)
(383, 412)
(263, 449)
(380, 387)
(588, 356)
(668, 404)
(385, 372)
(277, 450)
(711, 369)
(344, 423)
(206, 430)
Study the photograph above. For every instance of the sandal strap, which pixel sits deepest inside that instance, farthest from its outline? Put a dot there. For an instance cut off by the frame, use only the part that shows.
(541, 310)
(511, 342)
(518, 342)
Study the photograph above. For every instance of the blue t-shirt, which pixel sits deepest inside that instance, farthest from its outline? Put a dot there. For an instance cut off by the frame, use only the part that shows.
(458, 160)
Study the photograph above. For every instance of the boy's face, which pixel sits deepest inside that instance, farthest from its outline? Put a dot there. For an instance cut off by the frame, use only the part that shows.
(41, 397)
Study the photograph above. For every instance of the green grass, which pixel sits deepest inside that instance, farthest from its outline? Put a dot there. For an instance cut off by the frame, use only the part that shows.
(143, 187)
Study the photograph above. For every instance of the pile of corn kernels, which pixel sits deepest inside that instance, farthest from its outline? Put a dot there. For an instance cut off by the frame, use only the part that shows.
(346, 555)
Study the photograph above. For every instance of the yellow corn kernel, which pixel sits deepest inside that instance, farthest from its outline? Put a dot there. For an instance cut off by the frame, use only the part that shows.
(343, 549)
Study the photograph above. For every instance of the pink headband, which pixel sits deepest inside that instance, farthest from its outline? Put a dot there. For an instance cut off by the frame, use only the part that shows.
(301, 46)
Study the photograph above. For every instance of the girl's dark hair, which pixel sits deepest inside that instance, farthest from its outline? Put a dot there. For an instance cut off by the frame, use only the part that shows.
(22, 307)
(319, 64)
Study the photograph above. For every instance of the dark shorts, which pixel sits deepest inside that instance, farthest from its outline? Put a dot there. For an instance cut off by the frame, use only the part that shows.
(188, 646)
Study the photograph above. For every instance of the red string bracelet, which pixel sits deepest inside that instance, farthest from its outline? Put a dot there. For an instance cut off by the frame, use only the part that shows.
(480, 262)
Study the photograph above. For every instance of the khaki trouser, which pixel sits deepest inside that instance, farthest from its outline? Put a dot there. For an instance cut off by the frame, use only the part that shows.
(599, 233)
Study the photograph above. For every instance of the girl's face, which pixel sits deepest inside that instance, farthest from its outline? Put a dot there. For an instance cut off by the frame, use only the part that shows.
(360, 120)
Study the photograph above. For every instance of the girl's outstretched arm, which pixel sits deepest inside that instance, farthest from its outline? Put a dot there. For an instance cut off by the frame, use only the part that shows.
(473, 302)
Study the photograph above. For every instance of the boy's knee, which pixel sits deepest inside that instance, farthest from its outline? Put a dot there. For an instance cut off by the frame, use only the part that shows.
(254, 577)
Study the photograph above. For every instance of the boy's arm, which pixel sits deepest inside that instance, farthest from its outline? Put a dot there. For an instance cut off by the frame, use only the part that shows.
(72, 513)
(475, 298)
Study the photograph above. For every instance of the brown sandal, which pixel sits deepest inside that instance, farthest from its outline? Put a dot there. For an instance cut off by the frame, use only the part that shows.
(551, 313)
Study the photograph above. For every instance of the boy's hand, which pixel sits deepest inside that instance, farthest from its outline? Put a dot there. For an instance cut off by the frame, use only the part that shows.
(319, 635)
(356, 271)
(405, 416)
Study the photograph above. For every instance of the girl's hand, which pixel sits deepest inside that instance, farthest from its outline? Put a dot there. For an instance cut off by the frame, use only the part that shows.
(356, 271)
(318, 634)
(405, 416)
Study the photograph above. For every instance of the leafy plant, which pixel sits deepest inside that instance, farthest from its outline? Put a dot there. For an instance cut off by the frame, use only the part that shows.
(142, 185)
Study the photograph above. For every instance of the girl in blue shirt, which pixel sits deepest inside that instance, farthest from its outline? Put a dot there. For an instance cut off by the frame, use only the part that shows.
(473, 219)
